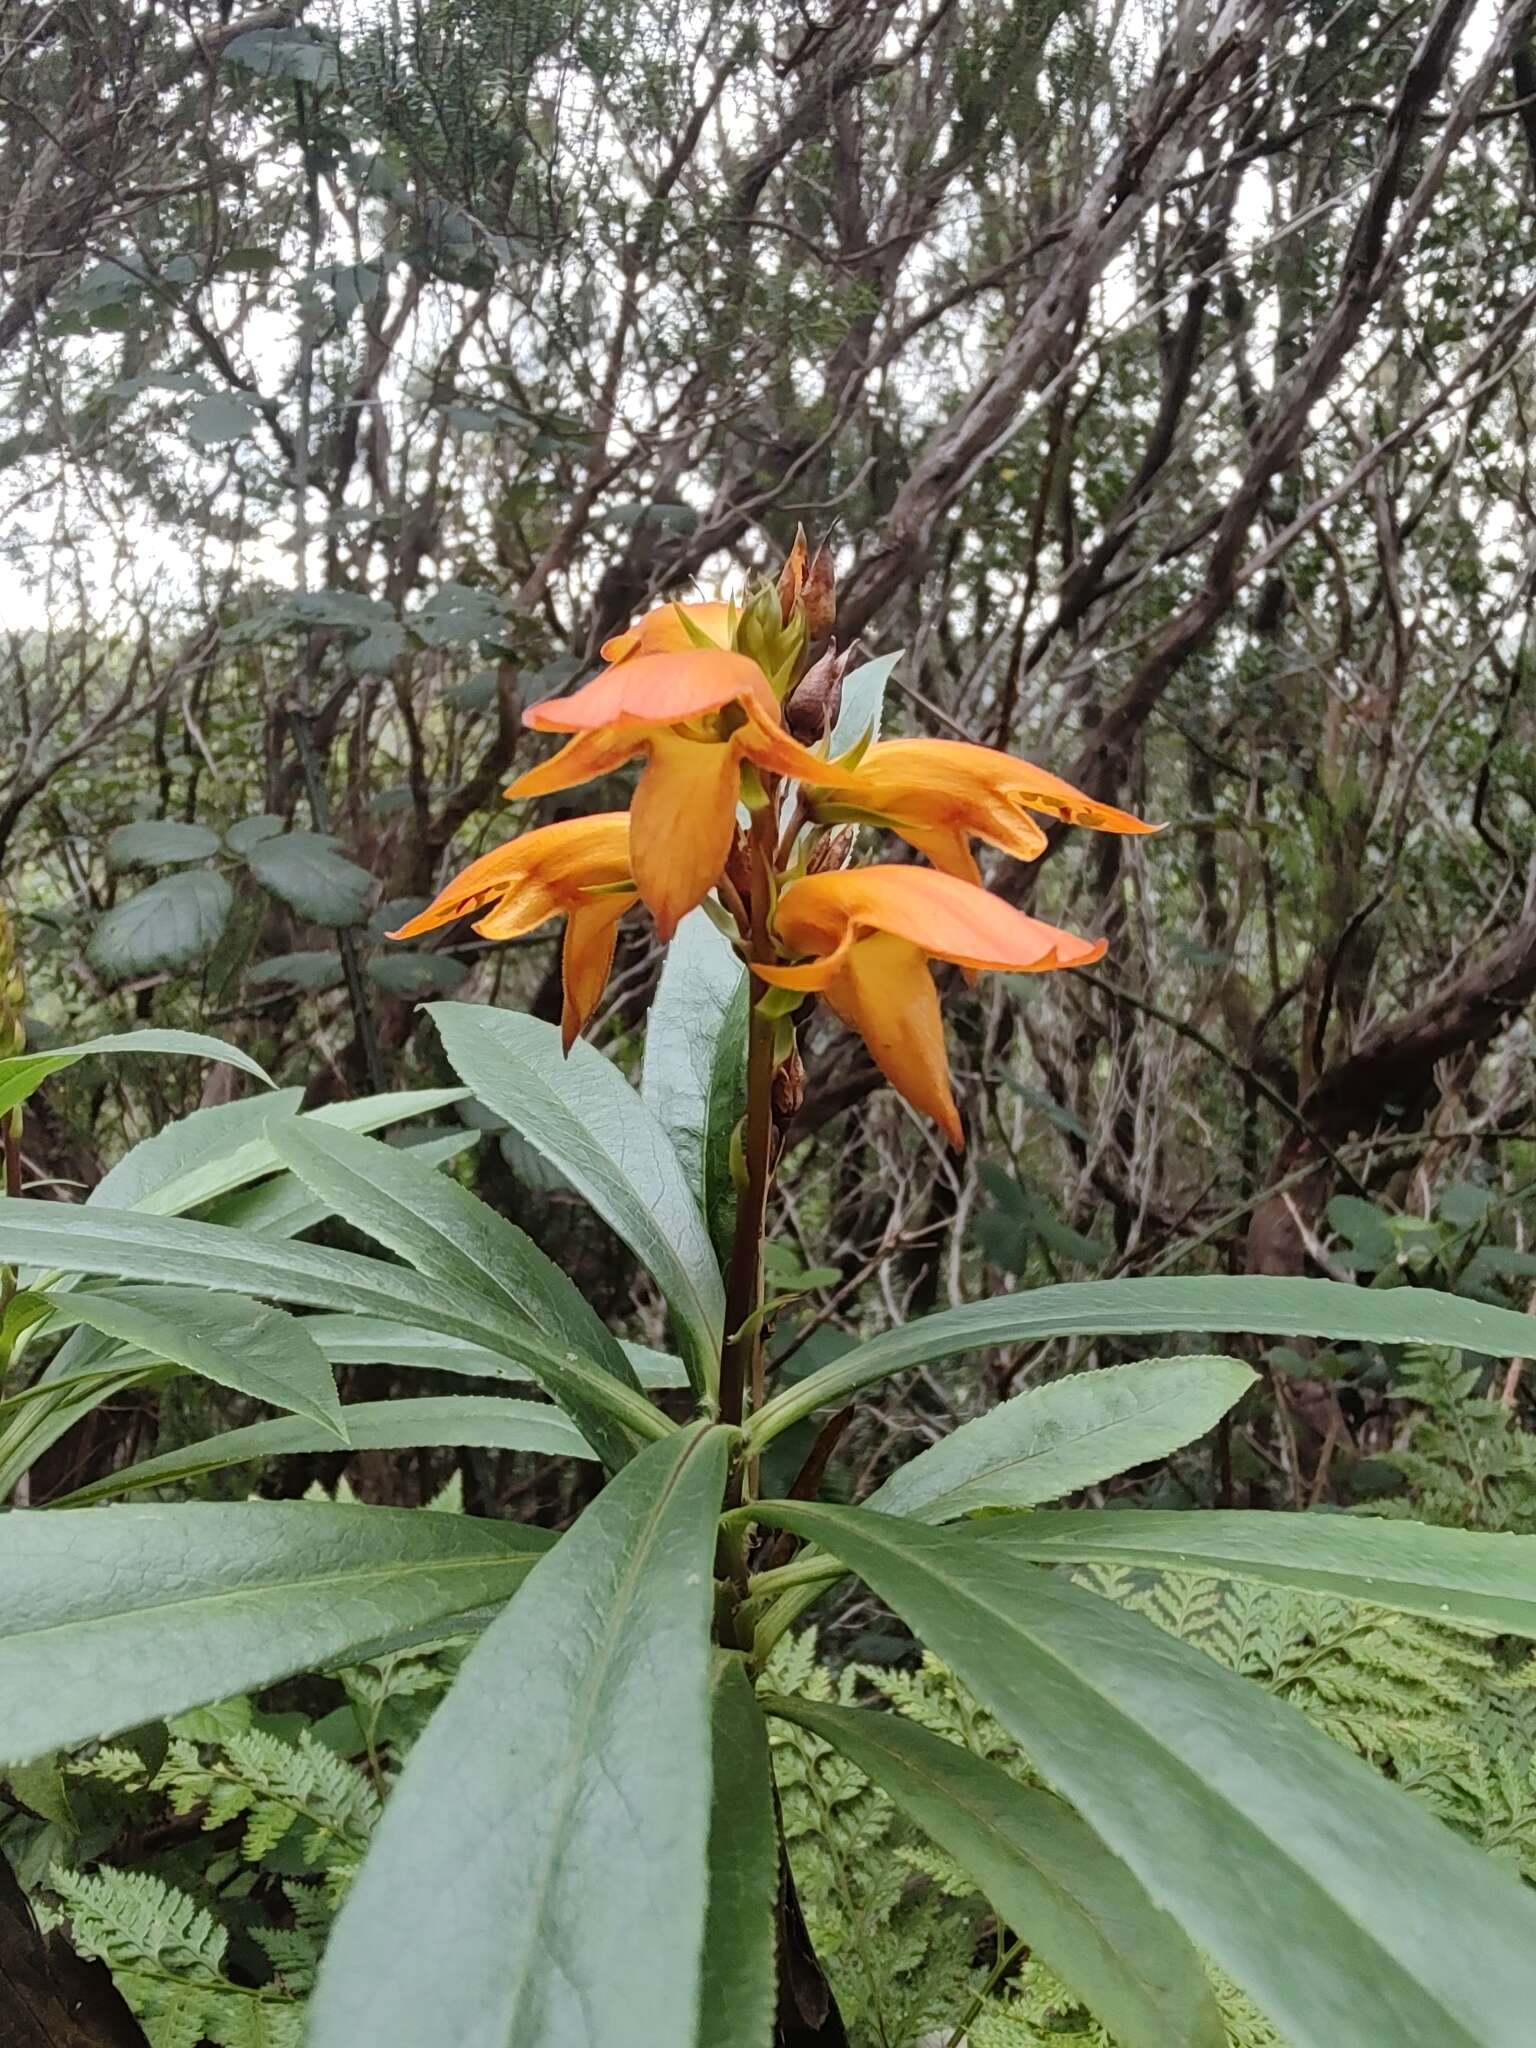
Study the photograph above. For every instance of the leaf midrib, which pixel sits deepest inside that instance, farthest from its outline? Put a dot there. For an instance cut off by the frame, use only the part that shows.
(380, 1574)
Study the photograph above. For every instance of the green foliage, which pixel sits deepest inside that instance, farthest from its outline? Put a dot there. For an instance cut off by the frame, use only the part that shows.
(1463, 1458)
(167, 1955)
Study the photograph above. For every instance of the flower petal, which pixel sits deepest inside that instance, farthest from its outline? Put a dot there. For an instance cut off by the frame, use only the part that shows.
(681, 823)
(965, 791)
(662, 631)
(580, 760)
(653, 689)
(585, 959)
(763, 740)
(945, 917)
(531, 878)
(886, 994)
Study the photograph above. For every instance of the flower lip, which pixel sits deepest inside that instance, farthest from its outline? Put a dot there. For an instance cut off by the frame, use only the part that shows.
(941, 916)
(654, 689)
(532, 878)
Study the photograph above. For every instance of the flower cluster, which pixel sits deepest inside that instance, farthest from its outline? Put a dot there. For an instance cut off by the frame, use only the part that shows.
(705, 695)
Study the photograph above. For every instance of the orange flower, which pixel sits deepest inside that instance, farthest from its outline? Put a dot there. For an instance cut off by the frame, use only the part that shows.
(874, 930)
(696, 715)
(940, 794)
(662, 631)
(578, 869)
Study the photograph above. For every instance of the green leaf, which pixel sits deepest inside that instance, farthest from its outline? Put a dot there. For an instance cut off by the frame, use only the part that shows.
(173, 923)
(24, 1072)
(1072, 1433)
(113, 1616)
(40, 1414)
(863, 699)
(233, 1160)
(1463, 1204)
(695, 1072)
(284, 53)
(456, 613)
(313, 971)
(397, 1425)
(737, 1995)
(159, 842)
(221, 416)
(539, 1875)
(241, 1344)
(1267, 1841)
(248, 832)
(370, 1340)
(1139, 1308)
(464, 1248)
(306, 871)
(417, 974)
(1507, 1262)
(1461, 1577)
(585, 1119)
(127, 1246)
(1048, 1876)
(1368, 1229)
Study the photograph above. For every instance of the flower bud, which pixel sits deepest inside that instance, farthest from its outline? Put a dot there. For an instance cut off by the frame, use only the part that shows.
(819, 596)
(13, 1032)
(811, 709)
(792, 577)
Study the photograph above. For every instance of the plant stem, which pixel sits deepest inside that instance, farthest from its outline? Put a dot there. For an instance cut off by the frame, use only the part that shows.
(1000, 1969)
(741, 1355)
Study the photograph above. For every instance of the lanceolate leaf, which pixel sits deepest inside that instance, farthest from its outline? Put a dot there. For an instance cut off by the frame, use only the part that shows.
(736, 2002)
(370, 1340)
(1049, 1876)
(1459, 1576)
(282, 1206)
(1254, 1303)
(451, 1237)
(694, 1076)
(242, 1344)
(25, 1071)
(1072, 1433)
(1268, 1842)
(398, 1425)
(132, 1247)
(583, 1116)
(550, 1832)
(216, 1152)
(118, 1615)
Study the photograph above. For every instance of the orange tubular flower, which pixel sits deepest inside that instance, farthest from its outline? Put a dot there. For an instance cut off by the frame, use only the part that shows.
(662, 631)
(696, 715)
(938, 795)
(875, 929)
(578, 869)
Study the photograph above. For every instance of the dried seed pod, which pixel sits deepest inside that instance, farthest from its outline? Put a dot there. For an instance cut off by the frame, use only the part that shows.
(738, 866)
(833, 852)
(788, 1087)
(810, 710)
